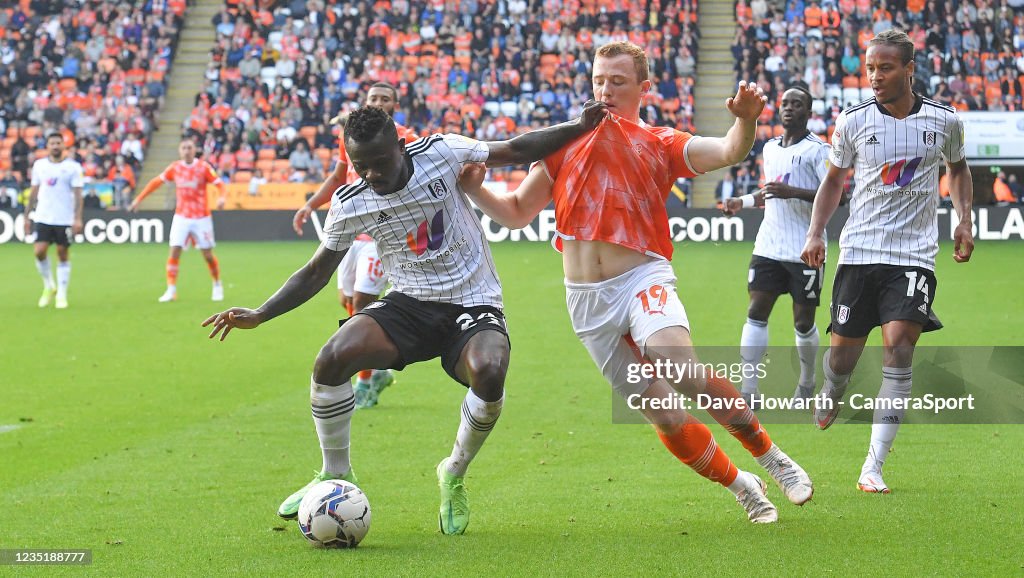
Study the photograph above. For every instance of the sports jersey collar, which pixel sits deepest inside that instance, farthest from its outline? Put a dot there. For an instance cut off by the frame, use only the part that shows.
(795, 142)
(918, 103)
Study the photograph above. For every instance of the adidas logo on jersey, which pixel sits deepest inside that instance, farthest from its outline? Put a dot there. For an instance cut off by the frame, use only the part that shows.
(923, 308)
(383, 218)
(872, 140)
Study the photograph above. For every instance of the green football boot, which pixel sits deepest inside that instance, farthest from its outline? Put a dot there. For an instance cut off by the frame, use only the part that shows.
(289, 508)
(454, 515)
(368, 393)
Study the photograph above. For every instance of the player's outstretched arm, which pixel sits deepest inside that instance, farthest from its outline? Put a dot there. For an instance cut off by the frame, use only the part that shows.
(516, 209)
(323, 195)
(537, 144)
(712, 153)
(151, 186)
(778, 190)
(825, 202)
(961, 191)
(299, 288)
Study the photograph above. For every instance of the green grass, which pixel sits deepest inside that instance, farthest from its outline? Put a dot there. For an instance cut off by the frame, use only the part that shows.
(167, 453)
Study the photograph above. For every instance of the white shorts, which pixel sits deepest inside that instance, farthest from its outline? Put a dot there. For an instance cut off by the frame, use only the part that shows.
(201, 231)
(361, 270)
(615, 318)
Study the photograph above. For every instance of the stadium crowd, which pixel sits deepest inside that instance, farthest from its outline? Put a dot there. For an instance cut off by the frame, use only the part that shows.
(95, 71)
(481, 68)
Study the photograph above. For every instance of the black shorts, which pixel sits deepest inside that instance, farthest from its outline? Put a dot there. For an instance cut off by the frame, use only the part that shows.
(868, 296)
(423, 330)
(56, 234)
(778, 277)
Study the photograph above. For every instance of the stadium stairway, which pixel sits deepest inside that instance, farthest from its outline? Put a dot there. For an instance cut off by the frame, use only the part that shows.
(714, 84)
(186, 77)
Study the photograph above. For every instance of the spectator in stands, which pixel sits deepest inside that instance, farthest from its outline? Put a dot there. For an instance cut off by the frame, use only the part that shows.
(1016, 187)
(1001, 190)
(257, 181)
(20, 152)
(726, 188)
(10, 188)
(305, 167)
(745, 182)
(122, 178)
(132, 147)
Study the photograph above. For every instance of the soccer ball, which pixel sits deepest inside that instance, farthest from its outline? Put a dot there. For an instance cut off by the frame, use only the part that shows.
(335, 514)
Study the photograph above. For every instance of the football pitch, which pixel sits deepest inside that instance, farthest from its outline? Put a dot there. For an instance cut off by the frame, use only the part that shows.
(124, 430)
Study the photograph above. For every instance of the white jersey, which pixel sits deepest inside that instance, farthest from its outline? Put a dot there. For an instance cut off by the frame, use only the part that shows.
(896, 168)
(427, 234)
(56, 182)
(802, 165)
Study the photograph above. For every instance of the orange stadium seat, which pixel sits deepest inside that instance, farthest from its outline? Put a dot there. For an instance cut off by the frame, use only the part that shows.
(265, 165)
(308, 133)
(241, 177)
(267, 154)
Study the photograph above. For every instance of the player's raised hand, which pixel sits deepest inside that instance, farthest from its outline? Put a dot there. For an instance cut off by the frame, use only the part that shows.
(300, 218)
(813, 254)
(592, 115)
(748, 102)
(731, 206)
(963, 243)
(224, 322)
(471, 178)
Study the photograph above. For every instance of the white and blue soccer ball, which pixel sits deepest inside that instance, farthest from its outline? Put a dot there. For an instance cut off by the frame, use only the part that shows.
(335, 514)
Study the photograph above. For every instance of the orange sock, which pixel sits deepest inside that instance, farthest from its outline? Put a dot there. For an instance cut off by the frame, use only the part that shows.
(741, 423)
(172, 272)
(365, 374)
(350, 309)
(694, 445)
(214, 266)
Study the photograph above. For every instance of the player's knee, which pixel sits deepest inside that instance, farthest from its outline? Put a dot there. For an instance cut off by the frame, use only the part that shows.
(758, 310)
(690, 387)
(667, 422)
(487, 372)
(803, 325)
(336, 360)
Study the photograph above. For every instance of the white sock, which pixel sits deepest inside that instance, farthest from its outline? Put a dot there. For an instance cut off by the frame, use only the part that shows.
(45, 272)
(832, 378)
(753, 343)
(741, 483)
(896, 383)
(63, 277)
(478, 418)
(807, 349)
(332, 414)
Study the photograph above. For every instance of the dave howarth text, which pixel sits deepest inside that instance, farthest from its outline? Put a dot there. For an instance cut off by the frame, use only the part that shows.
(676, 372)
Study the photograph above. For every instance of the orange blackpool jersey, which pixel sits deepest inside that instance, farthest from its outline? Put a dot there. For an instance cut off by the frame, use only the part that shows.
(190, 181)
(611, 185)
(406, 135)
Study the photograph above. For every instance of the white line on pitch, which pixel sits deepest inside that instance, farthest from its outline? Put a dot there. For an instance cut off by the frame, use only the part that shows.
(7, 428)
